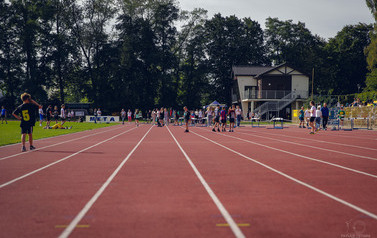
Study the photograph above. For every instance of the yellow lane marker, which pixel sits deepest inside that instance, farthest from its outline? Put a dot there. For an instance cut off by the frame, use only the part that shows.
(226, 224)
(78, 226)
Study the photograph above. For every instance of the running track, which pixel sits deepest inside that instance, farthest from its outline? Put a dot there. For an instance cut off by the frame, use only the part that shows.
(124, 181)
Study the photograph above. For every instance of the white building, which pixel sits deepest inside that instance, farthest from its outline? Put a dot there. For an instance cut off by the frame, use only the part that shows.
(269, 90)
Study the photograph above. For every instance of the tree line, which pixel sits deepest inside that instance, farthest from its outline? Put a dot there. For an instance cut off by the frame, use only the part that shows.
(145, 53)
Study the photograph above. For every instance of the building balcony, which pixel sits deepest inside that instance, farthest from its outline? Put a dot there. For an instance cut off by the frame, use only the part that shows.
(273, 94)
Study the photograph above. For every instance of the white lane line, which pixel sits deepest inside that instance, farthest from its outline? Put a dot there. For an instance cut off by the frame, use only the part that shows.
(320, 141)
(63, 142)
(314, 147)
(303, 156)
(90, 203)
(61, 160)
(46, 138)
(350, 205)
(233, 225)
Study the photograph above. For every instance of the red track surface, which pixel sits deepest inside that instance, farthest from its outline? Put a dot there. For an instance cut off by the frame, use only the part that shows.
(124, 181)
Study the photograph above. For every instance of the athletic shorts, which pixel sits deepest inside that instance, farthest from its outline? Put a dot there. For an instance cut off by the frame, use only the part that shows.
(2, 116)
(223, 121)
(301, 118)
(217, 119)
(318, 120)
(40, 117)
(312, 119)
(231, 120)
(26, 130)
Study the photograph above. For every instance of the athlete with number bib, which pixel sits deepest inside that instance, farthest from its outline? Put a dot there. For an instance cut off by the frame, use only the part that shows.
(27, 110)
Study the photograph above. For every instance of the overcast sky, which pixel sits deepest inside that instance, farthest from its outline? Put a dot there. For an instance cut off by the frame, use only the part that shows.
(322, 17)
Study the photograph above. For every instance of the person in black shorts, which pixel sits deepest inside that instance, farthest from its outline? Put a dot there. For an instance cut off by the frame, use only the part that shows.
(217, 119)
(186, 115)
(48, 116)
(56, 114)
(27, 110)
(232, 117)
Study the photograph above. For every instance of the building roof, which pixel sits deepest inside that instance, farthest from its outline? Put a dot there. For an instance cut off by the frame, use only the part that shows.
(250, 70)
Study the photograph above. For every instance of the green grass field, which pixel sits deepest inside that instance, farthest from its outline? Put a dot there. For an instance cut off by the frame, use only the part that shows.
(11, 133)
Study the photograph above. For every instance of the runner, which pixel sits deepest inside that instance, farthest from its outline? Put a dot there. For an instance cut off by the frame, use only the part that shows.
(186, 116)
(238, 115)
(4, 115)
(217, 119)
(137, 116)
(223, 119)
(123, 115)
(129, 115)
(232, 117)
(325, 116)
(27, 110)
(301, 117)
(312, 116)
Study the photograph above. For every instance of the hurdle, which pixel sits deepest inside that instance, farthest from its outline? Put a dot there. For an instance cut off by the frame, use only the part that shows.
(368, 124)
(276, 121)
(257, 120)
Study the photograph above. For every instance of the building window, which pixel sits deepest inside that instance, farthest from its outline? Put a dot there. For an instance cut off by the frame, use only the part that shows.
(251, 92)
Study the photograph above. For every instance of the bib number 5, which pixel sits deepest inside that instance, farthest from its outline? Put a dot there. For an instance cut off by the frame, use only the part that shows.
(25, 115)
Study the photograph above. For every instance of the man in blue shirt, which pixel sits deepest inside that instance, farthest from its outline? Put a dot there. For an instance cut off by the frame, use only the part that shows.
(3, 115)
(325, 116)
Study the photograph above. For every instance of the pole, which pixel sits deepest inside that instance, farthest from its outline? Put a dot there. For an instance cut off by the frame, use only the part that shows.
(312, 83)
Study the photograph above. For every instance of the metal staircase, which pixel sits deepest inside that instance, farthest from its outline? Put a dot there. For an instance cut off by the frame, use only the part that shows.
(276, 106)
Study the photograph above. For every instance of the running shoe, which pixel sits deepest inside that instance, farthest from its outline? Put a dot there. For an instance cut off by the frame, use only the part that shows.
(218, 129)
(213, 130)
(32, 147)
(186, 130)
(23, 149)
(303, 126)
(312, 133)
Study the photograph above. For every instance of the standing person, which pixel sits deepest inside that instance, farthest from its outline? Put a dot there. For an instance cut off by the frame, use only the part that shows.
(123, 115)
(238, 115)
(166, 116)
(99, 114)
(313, 111)
(137, 115)
(154, 115)
(41, 114)
(48, 116)
(217, 119)
(161, 118)
(62, 114)
(56, 114)
(129, 115)
(307, 116)
(27, 110)
(200, 116)
(318, 118)
(186, 116)
(325, 116)
(301, 117)
(72, 115)
(341, 115)
(223, 119)
(209, 113)
(4, 115)
(232, 117)
(149, 116)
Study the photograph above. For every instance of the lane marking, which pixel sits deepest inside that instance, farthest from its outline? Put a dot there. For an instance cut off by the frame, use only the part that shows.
(63, 142)
(78, 226)
(90, 203)
(228, 218)
(303, 156)
(239, 224)
(61, 160)
(321, 141)
(315, 147)
(350, 205)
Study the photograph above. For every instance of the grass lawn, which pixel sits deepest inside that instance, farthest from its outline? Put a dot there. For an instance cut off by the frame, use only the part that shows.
(11, 133)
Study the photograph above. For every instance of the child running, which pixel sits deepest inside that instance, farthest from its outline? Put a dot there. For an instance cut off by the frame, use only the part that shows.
(232, 117)
(223, 119)
(186, 116)
(138, 115)
(313, 111)
(27, 110)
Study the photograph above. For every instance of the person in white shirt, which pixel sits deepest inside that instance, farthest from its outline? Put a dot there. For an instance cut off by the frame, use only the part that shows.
(200, 115)
(238, 115)
(99, 114)
(41, 116)
(313, 115)
(307, 116)
(318, 117)
(123, 115)
(129, 115)
(62, 114)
